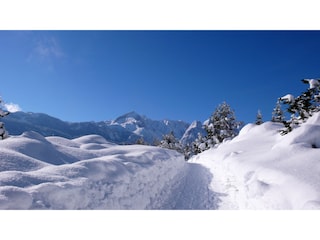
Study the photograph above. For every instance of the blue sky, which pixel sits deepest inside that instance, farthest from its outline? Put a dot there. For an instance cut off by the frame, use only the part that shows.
(181, 75)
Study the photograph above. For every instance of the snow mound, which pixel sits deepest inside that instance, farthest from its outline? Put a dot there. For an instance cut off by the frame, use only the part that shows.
(91, 139)
(260, 169)
(83, 173)
(306, 135)
(37, 147)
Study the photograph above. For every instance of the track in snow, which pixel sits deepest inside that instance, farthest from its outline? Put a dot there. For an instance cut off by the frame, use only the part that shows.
(191, 190)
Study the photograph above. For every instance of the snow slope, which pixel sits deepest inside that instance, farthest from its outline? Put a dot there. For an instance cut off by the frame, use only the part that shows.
(259, 169)
(89, 172)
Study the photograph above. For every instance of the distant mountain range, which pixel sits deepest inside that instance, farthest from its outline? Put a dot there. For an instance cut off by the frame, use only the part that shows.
(126, 129)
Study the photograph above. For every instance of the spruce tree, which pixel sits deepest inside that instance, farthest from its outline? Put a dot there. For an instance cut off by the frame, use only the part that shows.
(277, 114)
(171, 142)
(259, 120)
(220, 126)
(303, 106)
(200, 144)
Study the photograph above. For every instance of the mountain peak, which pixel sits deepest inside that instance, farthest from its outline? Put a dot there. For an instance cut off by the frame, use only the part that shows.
(129, 117)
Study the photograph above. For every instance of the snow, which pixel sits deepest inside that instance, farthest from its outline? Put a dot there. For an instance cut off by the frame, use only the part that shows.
(192, 191)
(289, 98)
(84, 173)
(259, 169)
(149, 130)
(313, 83)
(191, 133)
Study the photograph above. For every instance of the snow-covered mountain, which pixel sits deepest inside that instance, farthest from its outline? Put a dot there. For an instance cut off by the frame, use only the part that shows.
(126, 129)
(150, 130)
(192, 132)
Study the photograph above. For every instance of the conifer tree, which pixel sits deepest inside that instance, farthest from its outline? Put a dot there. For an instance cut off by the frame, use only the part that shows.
(277, 114)
(221, 125)
(303, 106)
(200, 144)
(171, 142)
(259, 120)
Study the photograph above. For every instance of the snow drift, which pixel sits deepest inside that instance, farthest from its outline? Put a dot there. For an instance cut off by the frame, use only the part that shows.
(260, 169)
(89, 172)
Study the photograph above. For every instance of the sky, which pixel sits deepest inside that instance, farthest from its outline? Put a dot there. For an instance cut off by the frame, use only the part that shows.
(177, 75)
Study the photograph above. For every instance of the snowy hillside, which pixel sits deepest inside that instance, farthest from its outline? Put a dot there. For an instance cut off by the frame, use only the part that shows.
(126, 129)
(84, 173)
(260, 169)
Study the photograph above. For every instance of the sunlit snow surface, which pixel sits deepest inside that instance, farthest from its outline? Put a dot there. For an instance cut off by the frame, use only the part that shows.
(260, 169)
(83, 173)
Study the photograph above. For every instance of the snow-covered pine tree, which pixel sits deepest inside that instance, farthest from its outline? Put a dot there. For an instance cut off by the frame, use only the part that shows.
(188, 151)
(277, 114)
(171, 142)
(221, 125)
(303, 106)
(3, 113)
(200, 144)
(259, 120)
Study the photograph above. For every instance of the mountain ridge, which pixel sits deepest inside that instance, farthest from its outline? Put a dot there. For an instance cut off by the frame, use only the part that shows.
(125, 129)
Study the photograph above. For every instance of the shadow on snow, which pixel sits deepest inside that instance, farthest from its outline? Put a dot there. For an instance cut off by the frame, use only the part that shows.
(192, 190)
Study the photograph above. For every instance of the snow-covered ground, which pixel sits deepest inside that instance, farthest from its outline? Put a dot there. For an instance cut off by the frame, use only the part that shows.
(84, 173)
(260, 169)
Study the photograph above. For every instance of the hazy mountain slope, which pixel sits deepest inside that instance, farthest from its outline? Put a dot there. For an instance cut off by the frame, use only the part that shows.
(150, 130)
(126, 129)
(192, 132)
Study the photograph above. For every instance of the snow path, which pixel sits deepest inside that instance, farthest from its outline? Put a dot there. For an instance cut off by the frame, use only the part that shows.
(191, 190)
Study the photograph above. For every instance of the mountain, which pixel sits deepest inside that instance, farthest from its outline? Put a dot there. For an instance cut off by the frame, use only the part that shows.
(150, 130)
(192, 132)
(126, 129)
